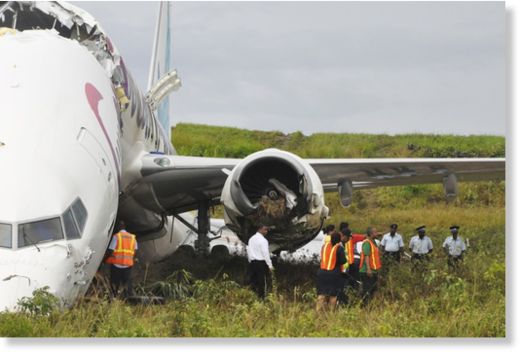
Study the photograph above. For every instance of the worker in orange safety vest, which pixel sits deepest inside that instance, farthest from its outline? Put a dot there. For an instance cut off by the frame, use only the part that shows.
(369, 265)
(121, 256)
(348, 247)
(329, 282)
(351, 267)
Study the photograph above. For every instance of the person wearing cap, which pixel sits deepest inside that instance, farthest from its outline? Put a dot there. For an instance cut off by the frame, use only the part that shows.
(260, 264)
(329, 282)
(454, 246)
(420, 245)
(369, 265)
(392, 244)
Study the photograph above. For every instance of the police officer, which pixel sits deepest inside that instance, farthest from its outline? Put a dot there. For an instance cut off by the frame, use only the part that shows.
(392, 244)
(454, 247)
(420, 245)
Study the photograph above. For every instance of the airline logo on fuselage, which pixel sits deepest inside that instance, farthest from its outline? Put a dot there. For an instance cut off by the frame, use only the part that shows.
(93, 98)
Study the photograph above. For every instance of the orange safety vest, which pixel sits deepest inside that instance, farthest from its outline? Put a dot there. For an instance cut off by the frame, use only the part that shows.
(328, 256)
(349, 251)
(374, 261)
(125, 249)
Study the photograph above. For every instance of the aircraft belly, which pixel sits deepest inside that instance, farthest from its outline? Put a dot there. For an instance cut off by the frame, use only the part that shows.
(160, 248)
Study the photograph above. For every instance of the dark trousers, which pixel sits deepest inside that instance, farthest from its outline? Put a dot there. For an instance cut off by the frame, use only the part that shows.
(120, 278)
(353, 271)
(369, 286)
(259, 272)
(420, 257)
(453, 261)
(393, 256)
(419, 261)
(342, 296)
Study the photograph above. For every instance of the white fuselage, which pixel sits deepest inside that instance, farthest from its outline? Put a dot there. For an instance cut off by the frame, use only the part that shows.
(63, 138)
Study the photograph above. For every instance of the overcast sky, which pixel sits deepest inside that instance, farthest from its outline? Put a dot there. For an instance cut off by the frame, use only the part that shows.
(375, 67)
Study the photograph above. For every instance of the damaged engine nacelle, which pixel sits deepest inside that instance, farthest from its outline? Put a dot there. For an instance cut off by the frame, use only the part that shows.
(279, 189)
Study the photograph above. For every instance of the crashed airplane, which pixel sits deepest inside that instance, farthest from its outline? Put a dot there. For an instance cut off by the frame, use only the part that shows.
(81, 147)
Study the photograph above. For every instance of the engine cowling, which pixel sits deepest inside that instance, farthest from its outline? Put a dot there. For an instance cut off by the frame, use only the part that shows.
(279, 189)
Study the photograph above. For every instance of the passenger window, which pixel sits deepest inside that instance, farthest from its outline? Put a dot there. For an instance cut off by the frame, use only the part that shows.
(71, 229)
(6, 236)
(39, 231)
(80, 214)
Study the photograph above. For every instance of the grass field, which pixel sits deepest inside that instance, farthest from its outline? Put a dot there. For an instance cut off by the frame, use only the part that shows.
(208, 298)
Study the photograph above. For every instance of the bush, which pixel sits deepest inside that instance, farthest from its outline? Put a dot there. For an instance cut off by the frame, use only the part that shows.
(41, 303)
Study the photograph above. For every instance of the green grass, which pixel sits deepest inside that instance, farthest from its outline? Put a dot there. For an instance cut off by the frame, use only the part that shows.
(434, 303)
(213, 141)
(213, 301)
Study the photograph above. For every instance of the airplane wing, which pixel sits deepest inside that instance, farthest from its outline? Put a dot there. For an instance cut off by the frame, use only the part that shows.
(180, 183)
(371, 173)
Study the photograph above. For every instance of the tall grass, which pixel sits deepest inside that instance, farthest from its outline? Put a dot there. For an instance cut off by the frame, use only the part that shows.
(434, 303)
(213, 300)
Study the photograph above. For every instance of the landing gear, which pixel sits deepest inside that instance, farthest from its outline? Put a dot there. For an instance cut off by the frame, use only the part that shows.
(202, 229)
(202, 242)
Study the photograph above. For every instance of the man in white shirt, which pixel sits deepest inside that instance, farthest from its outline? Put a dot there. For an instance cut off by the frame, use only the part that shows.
(392, 244)
(454, 246)
(259, 258)
(420, 245)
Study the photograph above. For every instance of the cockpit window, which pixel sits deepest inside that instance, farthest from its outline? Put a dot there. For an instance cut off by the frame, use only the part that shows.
(71, 229)
(6, 236)
(39, 231)
(80, 214)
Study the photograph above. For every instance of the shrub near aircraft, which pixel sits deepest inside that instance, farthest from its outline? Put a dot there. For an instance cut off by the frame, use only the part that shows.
(81, 146)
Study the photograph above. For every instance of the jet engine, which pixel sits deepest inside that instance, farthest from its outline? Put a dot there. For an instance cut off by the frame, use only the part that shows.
(279, 189)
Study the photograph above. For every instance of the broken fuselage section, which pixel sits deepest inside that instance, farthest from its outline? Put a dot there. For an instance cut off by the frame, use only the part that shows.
(72, 23)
